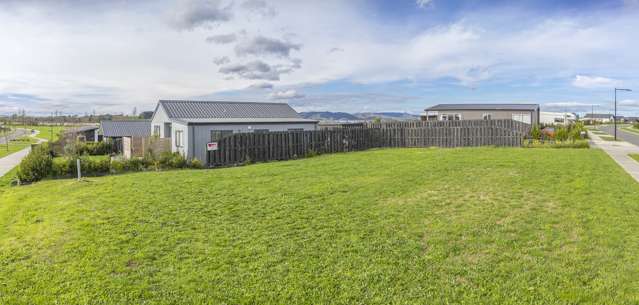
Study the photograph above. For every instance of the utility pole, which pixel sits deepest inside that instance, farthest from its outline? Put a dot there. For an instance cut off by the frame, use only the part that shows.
(615, 117)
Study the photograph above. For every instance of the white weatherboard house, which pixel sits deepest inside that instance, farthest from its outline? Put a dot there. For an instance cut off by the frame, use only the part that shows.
(193, 124)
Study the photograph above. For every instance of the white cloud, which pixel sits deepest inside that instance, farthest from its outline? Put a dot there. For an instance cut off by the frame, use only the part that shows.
(190, 14)
(591, 82)
(286, 94)
(629, 103)
(261, 86)
(132, 57)
(424, 3)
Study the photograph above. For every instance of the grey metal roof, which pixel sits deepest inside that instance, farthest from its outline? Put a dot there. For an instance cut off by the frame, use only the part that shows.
(531, 107)
(82, 128)
(210, 111)
(115, 129)
(244, 120)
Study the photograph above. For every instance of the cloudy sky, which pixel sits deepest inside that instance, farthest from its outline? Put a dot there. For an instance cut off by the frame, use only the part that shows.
(77, 56)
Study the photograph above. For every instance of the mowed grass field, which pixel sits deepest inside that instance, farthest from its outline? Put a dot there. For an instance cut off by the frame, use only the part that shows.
(50, 133)
(394, 226)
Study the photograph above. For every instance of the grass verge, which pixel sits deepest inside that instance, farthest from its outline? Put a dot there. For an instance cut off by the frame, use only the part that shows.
(394, 226)
(608, 138)
(631, 129)
(634, 156)
(15, 146)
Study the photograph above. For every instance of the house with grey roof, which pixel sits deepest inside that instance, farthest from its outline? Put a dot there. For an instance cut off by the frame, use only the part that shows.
(191, 125)
(87, 133)
(527, 113)
(121, 133)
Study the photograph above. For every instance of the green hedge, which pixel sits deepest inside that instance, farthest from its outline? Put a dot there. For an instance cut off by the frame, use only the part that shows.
(565, 144)
(36, 165)
(40, 164)
(89, 148)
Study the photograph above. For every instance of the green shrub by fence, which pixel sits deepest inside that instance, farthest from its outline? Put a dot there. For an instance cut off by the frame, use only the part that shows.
(40, 164)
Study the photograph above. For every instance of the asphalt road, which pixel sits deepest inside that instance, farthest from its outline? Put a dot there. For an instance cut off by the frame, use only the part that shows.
(622, 134)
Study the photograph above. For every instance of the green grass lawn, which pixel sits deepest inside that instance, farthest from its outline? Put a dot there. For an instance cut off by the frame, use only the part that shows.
(634, 156)
(609, 138)
(394, 226)
(15, 146)
(598, 132)
(49, 133)
(631, 129)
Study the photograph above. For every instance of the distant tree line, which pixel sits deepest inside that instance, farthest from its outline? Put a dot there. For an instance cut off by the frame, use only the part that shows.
(21, 118)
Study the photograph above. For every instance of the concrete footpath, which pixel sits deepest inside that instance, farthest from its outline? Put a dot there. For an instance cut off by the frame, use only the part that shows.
(9, 162)
(619, 151)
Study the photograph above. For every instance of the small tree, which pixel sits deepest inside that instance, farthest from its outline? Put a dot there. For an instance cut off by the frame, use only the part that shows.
(535, 132)
(561, 134)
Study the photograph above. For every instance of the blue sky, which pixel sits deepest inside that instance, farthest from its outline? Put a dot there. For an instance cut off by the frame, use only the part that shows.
(355, 56)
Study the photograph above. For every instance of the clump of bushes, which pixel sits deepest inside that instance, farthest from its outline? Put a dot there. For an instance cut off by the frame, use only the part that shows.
(22, 139)
(88, 148)
(635, 125)
(40, 164)
(548, 144)
(89, 166)
(573, 132)
(36, 165)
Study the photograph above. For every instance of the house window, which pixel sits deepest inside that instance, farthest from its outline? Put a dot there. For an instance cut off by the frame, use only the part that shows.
(216, 135)
(260, 130)
(156, 130)
(487, 116)
(451, 117)
(178, 138)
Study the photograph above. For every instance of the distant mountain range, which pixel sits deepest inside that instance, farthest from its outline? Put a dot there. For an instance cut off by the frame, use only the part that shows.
(362, 116)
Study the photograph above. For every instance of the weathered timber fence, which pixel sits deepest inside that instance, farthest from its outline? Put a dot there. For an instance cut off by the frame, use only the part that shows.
(259, 147)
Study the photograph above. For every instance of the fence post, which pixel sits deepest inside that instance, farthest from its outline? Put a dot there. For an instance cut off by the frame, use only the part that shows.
(78, 167)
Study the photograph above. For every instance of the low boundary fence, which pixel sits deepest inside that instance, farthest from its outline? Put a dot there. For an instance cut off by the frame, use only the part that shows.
(259, 147)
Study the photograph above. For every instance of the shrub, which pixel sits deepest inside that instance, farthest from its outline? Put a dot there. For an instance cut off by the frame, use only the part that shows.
(312, 153)
(89, 166)
(196, 163)
(561, 134)
(134, 164)
(117, 166)
(575, 144)
(36, 165)
(535, 132)
(91, 148)
(22, 139)
(62, 167)
(571, 144)
(635, 125)
(92, 166)
(178, 161)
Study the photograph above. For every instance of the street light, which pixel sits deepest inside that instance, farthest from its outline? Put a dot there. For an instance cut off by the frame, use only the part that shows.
(615, 117)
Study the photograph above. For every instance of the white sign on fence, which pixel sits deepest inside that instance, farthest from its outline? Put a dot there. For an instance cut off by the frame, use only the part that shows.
(211, 146)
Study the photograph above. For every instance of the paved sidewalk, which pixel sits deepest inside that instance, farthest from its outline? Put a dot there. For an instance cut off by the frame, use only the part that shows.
(9, 162)
(619, 151)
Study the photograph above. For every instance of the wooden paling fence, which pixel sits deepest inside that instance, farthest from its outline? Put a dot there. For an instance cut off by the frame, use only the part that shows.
(259, 147)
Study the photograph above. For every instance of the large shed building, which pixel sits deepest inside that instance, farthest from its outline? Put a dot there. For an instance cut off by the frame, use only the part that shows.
(527, 113)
